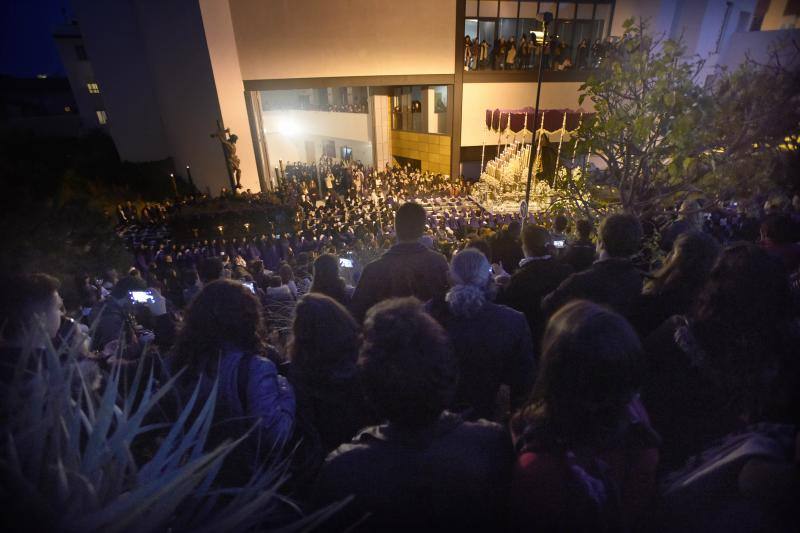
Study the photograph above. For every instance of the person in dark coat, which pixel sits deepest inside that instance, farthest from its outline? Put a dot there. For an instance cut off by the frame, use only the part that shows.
(327, 280)
(613, 280)
(323, 350)
(581, 254)
(408, 268)
(492, 342)
(731, 361)
(425, 469)
(506, 248)
(673, 288)
(538, 275)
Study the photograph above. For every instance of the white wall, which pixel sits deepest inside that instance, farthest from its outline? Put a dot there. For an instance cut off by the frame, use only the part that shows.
(757, 44)
(224, 58)
(478, 97)
(353, 126)
(288, 148)
(324, 38)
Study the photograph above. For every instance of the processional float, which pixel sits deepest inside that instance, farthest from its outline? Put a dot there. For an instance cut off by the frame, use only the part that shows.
(503, 179)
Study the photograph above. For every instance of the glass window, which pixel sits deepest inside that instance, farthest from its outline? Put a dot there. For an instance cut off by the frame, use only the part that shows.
(508, 29)
(471, 28)
(486, 31)
(93, 88)
(102, 118)
(440, 95)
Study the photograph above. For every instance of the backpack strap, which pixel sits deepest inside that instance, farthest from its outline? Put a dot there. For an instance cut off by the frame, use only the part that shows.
(242, 379)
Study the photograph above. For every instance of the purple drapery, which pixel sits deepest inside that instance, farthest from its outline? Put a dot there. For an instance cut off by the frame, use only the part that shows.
(498, 119)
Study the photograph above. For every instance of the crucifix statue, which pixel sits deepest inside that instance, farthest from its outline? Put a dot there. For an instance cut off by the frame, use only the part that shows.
(228, 142)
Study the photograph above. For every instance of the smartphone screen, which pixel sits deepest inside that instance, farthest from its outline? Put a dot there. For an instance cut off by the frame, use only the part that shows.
(345, 263)
(558, 244)
(250, 285)
(141, 297)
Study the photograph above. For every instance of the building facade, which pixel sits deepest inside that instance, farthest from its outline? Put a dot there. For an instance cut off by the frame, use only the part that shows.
(381, 82)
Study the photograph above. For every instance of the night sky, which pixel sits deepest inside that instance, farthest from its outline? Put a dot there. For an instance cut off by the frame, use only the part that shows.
(26, 28)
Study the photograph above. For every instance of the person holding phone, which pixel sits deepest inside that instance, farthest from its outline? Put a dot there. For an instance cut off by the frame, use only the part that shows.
(327, 279)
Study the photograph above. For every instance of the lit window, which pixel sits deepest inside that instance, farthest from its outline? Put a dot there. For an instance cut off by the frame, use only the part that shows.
(93, 88)
(102, 118)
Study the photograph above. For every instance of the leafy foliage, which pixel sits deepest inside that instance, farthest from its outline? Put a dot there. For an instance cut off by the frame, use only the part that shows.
(662, 136)
(67, 463)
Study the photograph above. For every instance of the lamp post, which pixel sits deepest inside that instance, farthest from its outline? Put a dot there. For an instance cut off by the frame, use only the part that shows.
(547, 17)
(174, 185)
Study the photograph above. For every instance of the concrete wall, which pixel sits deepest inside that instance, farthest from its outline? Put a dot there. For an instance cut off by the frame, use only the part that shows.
(112, 37)
(174, 44)
(478, 97)
(775, 20)
(323, 38)
(79, 73)
(290, 149)
(381, 129)
(757, 45)
(354, 126)
(227, 79)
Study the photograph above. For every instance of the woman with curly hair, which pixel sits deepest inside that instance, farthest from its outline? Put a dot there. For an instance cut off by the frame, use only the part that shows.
(731, 360)
(222, 339)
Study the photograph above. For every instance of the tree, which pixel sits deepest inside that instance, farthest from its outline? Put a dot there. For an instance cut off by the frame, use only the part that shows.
(647, 105)
(661, 136)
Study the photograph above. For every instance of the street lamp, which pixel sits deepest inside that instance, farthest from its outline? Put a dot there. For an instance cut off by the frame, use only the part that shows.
(547, 17)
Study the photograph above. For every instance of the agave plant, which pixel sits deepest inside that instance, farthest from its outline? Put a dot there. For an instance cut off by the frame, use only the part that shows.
(66, 460)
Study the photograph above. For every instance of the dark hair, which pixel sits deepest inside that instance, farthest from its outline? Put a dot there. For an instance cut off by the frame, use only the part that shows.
(687, 266)
(590, 371)
(127, 284)
(223, 315)
(209, 269)
(23, 296)
(482, 246)
(324, 335)
(409, 221)
(286, 273)
(621, 235)
(743, 322)
(535, 239)
(326, 277)
(560, 223)
(408, 366)
(584, 228)
(778, 229)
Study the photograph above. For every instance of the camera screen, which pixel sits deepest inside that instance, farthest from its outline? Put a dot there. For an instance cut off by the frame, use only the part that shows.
(345, 263)
(141, 297)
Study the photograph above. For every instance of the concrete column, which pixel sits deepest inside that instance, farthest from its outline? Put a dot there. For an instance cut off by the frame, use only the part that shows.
(381, 130)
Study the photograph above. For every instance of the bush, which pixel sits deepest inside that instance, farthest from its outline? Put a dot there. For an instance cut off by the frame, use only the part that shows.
(66, 459)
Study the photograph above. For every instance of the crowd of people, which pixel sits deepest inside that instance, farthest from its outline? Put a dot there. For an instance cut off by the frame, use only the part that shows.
(510, 54)
(452, 368)
(356, 107)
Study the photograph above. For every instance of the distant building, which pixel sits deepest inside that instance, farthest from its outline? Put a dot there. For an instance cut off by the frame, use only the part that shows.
(42, 106)
(80, 74)
(379, 81)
